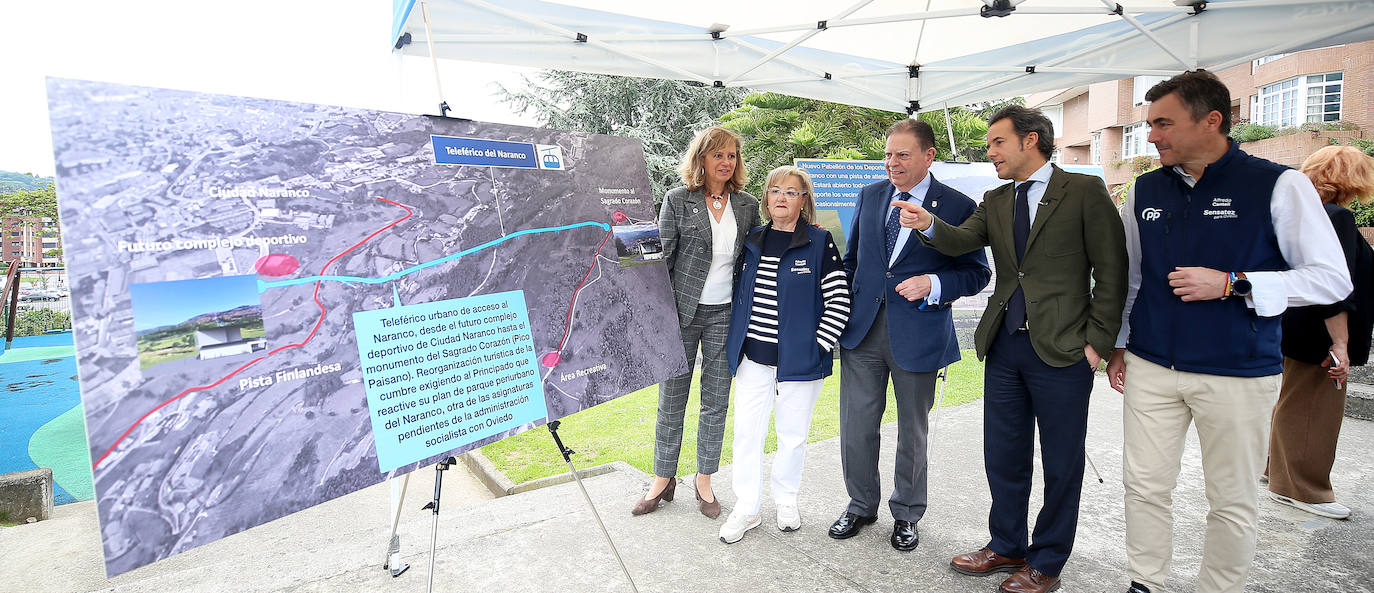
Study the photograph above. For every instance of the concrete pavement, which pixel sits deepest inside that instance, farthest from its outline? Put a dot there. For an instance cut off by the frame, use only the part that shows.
(546, 539)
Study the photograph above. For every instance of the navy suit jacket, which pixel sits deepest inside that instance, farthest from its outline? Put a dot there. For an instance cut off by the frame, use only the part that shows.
(922, 339)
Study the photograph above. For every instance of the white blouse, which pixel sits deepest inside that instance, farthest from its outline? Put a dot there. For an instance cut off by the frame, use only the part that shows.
(720, 278)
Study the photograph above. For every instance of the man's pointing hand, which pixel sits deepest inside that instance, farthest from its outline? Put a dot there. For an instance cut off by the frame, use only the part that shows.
(913, 216)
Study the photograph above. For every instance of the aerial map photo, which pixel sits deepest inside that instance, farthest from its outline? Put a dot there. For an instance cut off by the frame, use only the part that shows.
(262, 291)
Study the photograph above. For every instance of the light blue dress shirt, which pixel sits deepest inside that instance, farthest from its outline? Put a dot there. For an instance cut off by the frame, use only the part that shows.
(918, 197)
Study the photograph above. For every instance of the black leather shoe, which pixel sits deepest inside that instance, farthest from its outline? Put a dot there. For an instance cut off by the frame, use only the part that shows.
(904, 536)
(849, 525)
(1138, 588)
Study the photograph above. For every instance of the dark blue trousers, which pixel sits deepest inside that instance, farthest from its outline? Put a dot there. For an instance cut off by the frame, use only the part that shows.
(1021, 392)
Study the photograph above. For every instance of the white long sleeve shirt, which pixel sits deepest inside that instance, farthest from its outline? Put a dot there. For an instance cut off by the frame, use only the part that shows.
(1317, 274)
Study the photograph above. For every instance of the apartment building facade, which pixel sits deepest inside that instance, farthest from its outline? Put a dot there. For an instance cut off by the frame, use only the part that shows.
(28, 240)
(1104, 123)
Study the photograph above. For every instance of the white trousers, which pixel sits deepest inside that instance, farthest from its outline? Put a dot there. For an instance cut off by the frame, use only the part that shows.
(1232, 419)
(756, 388)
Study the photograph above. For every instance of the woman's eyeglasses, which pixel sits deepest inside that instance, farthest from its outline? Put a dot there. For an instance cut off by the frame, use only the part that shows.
(773, 191)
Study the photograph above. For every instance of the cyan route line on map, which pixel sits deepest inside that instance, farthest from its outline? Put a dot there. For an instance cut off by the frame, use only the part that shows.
(263, 286)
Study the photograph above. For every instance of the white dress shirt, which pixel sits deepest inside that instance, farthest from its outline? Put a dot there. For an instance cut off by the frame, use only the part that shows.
(918, 197)
(1318, 274)
(720, 277)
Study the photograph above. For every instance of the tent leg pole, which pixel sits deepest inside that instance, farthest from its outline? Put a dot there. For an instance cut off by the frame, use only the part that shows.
(949, 129)
(434, 59)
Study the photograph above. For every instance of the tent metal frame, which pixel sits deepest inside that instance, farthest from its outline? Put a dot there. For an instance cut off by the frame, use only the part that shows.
(1185, 55)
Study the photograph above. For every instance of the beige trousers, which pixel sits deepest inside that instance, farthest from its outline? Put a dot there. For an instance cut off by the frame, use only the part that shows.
(1232, 417)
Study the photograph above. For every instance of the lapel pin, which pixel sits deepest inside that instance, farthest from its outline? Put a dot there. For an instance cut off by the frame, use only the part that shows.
(934, 203)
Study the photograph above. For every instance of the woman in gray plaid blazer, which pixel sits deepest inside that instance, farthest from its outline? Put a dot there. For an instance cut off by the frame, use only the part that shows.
(703, 226)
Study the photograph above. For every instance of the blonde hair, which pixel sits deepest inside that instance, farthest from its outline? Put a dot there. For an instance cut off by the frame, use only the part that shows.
(1342, 174)
(808, 211)
(693, 167)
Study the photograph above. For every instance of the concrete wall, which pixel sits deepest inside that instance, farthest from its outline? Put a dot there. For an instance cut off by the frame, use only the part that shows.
(1102, 111)
(26, 495)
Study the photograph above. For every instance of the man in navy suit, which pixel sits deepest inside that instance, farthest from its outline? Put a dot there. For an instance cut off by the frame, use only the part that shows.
(900, 326)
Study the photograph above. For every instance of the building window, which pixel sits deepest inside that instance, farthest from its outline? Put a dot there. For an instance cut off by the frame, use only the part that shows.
(1266, 60)
(1324, 96)
(1133, 141)
(1308, 98)
(1055, 113)
(1057, 157)
(1142, 85)
(1095, 149)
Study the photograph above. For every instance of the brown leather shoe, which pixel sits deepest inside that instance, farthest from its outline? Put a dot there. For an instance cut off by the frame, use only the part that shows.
(710, 509)
(985, 562)
(648, 505)
(1029, 580)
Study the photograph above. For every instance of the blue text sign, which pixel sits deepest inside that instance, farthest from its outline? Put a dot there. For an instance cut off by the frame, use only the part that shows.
(451, 150)
(443, 375)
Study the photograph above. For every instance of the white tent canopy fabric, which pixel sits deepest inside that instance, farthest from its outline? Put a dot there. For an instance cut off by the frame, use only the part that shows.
(882, 53)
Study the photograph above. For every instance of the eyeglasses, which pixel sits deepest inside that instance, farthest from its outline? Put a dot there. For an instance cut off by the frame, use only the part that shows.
(791, 194)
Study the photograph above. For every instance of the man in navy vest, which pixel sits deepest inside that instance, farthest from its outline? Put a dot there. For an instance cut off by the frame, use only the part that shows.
(900, 325)
(1219, 244)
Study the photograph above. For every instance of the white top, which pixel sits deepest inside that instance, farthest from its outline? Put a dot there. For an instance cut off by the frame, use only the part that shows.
(918, 197)
(1306, 239)
(721, 277)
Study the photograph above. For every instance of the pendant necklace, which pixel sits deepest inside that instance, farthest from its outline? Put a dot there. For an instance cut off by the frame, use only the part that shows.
(717, 202)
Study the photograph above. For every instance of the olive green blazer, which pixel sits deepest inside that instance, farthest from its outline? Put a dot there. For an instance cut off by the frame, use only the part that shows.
(1073, 273)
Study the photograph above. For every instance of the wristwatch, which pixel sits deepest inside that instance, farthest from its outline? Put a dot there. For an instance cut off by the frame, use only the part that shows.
(1240, 286)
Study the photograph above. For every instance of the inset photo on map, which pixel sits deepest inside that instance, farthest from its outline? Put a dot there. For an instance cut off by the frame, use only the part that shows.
(637, 244)
(203, 318)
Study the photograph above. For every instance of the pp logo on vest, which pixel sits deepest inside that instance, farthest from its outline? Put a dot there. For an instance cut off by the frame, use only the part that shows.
(1151, 214)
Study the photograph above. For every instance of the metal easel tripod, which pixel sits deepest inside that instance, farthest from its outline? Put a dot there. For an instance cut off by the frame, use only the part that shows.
(567, 457)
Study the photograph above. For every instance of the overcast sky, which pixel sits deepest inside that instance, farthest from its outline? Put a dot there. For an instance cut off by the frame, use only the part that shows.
(318, 51)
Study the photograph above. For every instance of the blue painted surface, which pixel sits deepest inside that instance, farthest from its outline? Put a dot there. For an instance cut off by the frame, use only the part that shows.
(32, 393)
(62, 339)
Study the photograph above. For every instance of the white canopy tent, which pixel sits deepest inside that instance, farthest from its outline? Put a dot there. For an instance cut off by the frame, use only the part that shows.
(881, 53)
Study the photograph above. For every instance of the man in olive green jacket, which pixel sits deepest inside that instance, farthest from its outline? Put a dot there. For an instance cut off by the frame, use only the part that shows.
(1060, 256)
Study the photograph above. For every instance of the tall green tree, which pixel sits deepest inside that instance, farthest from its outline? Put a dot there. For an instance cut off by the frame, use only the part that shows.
(779, 128)
(663, 114)
(40, 202)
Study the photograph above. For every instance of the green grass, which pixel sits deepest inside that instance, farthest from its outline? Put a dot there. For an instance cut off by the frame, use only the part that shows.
(150, 357)
(623, 429)
(166, 346)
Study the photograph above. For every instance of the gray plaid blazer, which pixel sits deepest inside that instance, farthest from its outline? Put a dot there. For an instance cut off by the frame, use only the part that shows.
(684, 226)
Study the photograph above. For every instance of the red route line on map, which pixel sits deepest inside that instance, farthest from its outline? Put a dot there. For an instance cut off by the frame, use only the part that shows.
(568, 327)
(307, 339)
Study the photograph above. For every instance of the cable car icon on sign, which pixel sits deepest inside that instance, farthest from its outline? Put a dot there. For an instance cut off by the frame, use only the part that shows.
(550, 157)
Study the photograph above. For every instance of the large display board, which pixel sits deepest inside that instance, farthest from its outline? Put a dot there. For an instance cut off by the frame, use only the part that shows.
(837, 184)
(278, 303)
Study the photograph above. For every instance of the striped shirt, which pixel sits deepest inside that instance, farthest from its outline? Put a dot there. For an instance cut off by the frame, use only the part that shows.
(761, 338)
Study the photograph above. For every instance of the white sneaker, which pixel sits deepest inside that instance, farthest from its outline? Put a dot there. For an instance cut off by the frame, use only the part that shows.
(788, 517)
(1332, 510)
(735, 526)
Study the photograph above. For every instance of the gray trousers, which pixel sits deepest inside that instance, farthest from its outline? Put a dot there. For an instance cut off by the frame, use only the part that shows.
(864, 373)
(708, 329)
